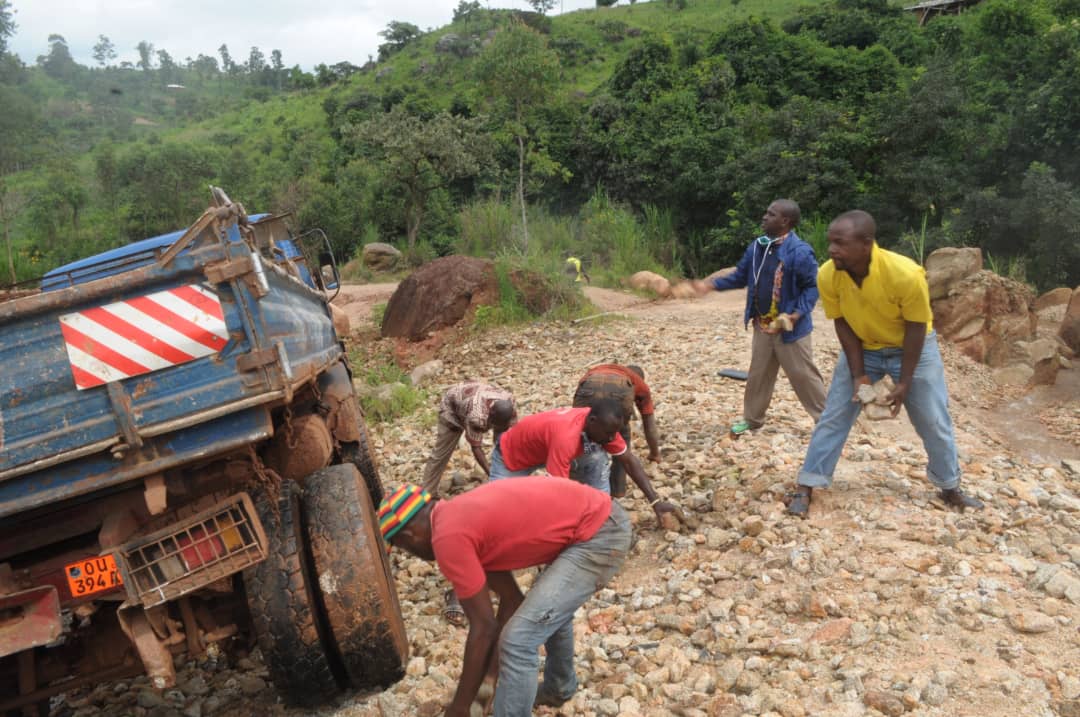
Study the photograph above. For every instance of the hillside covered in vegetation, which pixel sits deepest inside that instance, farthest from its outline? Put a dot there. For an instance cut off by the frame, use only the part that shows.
(646, 136)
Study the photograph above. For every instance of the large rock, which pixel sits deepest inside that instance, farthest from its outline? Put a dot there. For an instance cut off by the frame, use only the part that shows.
(438, 295)
(380, 257)
(945, 268)
(1070, 325)
(1055, 297)
(1043, 358)
(650, 281)
(985, 315)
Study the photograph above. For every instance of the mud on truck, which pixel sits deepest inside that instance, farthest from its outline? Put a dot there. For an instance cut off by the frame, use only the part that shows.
(183, 462)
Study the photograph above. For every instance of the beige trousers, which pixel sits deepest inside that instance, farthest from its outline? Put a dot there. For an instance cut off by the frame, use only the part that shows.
(768, 354)
(446, 440)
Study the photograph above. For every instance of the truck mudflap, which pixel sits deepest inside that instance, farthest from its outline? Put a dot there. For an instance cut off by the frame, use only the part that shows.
(193, 551)
(29, 619)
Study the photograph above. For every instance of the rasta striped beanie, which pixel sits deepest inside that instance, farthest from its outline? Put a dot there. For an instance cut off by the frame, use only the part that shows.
(398, 508)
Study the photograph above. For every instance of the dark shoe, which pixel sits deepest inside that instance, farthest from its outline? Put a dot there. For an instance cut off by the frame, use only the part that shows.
(799, 501)
(958, 499)
(545, 699)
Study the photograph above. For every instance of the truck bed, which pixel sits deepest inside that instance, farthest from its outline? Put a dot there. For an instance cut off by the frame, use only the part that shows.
(63, 435)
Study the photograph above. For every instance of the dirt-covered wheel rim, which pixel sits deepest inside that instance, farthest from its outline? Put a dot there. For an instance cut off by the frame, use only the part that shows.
(283, 603)
(357, 588)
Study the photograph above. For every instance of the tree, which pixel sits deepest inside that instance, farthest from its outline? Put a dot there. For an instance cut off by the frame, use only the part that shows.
(7, 24)
(104, 51)
(542, 6)
(58, 63)
(397, 35)
(278, 67)
(466, 10)
(205, 66)
(146, 52)
(166, 65)
(518, 73)
(11, 203)
(419, 158)
(256, 62)
(227, 64)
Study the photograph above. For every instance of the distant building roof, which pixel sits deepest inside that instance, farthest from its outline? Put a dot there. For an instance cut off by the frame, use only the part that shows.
(929, 8)
(175, 87)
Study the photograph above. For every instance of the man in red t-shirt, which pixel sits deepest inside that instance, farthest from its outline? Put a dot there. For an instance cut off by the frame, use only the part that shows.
(477, 539)
(625, 384)
(568, 443)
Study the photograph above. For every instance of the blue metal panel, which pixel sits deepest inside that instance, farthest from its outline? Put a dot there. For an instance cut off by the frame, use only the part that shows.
(102, 473)
(121, 259)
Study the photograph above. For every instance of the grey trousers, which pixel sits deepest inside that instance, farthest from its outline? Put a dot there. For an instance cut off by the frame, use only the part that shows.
(768, 354)
(446, 440)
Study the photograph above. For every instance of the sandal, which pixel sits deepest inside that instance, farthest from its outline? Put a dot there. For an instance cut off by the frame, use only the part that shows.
(798, 501)
(452, 610)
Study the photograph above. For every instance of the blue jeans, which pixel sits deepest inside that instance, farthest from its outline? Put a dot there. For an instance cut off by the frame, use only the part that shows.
(927, 404)
(546, 617)
(592, 467)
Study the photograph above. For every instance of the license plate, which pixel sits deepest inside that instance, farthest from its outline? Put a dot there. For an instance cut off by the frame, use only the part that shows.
(93, 575)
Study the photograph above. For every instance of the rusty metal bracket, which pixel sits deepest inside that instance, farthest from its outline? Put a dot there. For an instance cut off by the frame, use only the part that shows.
(155, 656)
(209, 217)
(228, 270)
(121, 405)
(256, 359)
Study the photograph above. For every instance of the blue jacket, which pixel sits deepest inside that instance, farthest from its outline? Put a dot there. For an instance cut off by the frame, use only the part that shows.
(798, 290)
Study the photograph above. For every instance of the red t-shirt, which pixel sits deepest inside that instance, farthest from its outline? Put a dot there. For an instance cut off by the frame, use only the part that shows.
(552, 439)
(512, 524)
(642, 394)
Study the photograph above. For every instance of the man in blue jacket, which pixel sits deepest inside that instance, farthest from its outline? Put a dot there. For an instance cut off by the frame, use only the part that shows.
(779, 271)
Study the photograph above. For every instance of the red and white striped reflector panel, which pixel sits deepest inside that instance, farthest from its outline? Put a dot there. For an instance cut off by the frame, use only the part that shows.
(144, 334)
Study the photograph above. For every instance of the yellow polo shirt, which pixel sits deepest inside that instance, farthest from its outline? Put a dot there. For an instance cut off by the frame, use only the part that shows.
(893, 292)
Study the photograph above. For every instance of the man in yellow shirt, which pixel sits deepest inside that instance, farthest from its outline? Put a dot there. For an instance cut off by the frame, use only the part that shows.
(880, 305)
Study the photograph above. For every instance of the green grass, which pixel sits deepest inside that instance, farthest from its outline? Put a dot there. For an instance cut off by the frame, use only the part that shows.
(385, 390)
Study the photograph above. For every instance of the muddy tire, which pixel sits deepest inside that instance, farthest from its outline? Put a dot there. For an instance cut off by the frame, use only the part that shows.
(357, 588)
(283, 604)
(361, 455)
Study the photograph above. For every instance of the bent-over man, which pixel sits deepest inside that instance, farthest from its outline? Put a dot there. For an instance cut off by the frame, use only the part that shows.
(571, 443)
(880, 306)
(472, 408)
(477, 539)
(625, 384)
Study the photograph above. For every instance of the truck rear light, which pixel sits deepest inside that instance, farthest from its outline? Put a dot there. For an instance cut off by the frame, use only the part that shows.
(193, 552)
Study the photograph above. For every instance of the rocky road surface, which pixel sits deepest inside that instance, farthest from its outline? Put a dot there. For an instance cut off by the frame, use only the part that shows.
(882, 602)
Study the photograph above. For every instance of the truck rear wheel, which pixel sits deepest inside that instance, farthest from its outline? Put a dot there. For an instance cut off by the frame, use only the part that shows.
(354, 577)
(362, 456)
(282, 600)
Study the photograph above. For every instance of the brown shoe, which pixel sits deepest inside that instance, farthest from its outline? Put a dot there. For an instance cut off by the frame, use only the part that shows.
(958, 499)
(799, 501)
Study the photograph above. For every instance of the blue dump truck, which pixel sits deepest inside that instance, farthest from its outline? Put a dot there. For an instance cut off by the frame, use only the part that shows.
(183, 463)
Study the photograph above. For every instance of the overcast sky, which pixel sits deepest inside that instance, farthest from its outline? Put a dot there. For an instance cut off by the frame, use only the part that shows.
(323, 31)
